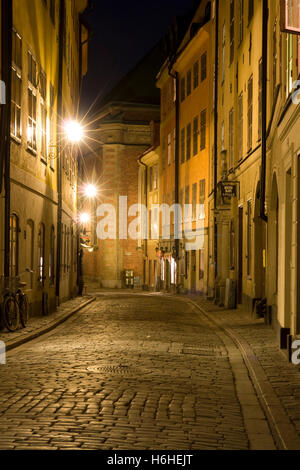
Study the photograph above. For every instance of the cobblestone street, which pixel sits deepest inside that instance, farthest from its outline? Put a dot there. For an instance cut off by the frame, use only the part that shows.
(129, 371)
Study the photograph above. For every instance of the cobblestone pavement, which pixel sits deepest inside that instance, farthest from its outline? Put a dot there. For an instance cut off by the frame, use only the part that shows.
(282, 375)
(127, 372)
(40, 323)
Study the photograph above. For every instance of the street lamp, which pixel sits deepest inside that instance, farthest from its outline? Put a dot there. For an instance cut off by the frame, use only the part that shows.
(90, 191)
(74, 131)
(84, 218)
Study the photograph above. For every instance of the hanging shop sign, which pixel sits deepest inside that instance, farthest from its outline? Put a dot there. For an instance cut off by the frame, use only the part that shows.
(226, 191)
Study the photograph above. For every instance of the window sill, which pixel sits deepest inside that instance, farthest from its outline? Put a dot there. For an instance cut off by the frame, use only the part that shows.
(16, 140)
(31, 151)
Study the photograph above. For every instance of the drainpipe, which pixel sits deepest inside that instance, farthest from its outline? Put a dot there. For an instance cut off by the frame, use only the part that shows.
(177, 132)
(59, 147)
(6, 26)
(216, 134)
(265, 15)
(146, 195)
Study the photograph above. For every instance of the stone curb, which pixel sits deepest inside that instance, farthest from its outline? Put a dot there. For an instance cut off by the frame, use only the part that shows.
(282, 428)
(41, 331)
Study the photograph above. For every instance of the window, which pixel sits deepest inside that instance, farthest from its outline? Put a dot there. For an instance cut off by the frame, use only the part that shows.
(249, 236)
(52, 11)
(241, 126)
(16, 85)
(31, 126)
(260, 100)
(250, 10)
(202, 185)
(223, 51)
(289, 65)
(14, 246)
(43, 84)
(44, 133)
(196, 74)
(16, 93)
(17, 49)
(182, 89)
(290, 16)
(52, 128)
(188, 141)
(52, 256)
(231, 31)
(231, 139)
(32, 69)
(189, 83)
(250, 112)
(223, 136)
(194, 200)
(241, 21)
(203, 130)
(41, 248)
(182, 145)
(169, 149)
(187, 195)
(195, 136)
(203, 66)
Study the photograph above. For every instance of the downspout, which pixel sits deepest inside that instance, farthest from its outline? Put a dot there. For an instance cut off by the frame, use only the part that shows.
(146, 195)
(265, 15)
(216, 71)
(59, 147)
(177, 132)
(6, 60)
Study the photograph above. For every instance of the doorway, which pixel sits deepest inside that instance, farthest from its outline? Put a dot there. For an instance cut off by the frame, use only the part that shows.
(288, 248)
(193, 271)
(260, 250)
(240, 257)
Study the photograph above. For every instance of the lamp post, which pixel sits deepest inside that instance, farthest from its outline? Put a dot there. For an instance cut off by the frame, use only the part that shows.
(90, 192)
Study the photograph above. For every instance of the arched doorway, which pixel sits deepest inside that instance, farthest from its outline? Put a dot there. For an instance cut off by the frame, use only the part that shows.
(288, 249)
(273, 244)
(259, 250)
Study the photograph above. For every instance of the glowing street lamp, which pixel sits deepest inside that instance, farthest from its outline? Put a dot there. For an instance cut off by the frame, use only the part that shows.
(84, 218)
(90, 191)
(74, 131)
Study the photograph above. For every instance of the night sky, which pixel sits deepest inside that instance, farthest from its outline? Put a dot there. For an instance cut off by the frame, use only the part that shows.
(123, 32)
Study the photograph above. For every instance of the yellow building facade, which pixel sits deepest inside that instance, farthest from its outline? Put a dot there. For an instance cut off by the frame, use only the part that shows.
(48, 61)
(186, 103)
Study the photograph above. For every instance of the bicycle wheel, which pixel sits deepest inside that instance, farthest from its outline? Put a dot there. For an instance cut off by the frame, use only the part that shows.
(11, 313)
(23, 308)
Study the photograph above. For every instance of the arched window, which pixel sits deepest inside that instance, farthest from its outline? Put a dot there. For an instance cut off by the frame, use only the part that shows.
(41, 248)
(14, 246)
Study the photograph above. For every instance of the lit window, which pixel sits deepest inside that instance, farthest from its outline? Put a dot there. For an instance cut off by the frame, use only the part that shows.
(31, 125)
(43, 132)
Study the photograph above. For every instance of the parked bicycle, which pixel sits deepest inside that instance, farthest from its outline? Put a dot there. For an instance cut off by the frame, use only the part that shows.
(15, 305)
